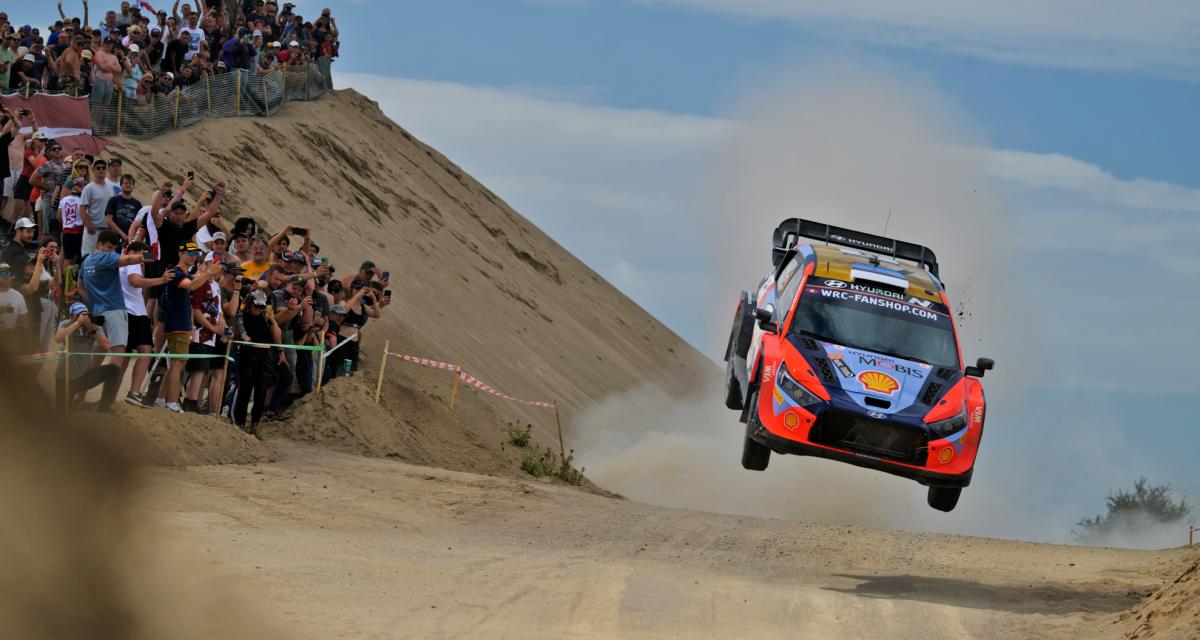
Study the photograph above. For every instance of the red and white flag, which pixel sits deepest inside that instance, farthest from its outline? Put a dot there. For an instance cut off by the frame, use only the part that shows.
(63, 118)
(147, 7)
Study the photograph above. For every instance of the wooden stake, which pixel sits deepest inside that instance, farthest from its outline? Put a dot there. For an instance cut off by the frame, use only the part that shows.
(453, 390)
(225, 367)
(320, 369)
(208, 91)
(266, 99)
(175, 121)
(562, 449)
(382, 365)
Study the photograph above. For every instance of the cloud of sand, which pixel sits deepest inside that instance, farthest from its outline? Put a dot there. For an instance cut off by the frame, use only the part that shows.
(843, 143)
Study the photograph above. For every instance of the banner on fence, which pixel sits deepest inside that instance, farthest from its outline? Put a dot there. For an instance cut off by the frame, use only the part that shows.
(64, 118)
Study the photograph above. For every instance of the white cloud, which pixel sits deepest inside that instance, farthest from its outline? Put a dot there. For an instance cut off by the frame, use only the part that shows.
(1161, 36)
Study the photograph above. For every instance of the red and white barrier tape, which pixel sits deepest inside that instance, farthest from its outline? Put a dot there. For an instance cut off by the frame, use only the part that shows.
(470, 379)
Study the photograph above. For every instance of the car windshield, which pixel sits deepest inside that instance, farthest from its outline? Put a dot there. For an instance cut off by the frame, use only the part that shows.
(875, 323)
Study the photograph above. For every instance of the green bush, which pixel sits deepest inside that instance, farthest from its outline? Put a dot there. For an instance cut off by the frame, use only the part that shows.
(520, 437)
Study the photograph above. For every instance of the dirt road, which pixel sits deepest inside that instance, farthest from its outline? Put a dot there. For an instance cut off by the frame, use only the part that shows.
(344, 546)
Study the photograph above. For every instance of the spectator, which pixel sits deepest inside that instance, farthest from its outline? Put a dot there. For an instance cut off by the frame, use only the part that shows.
(69, 67)
(22, 245)
(113, 177)
(46, 179)
(141, 329)
(30, 153)
(155, 49)
(93, 203)
(76, 374)
(123, 209)
(176, 53)
(105, 66)
(72, 223)
(208, 338)
(177, 316)
(258, 367)
(101, 280)
(195, 35)
(259, 263)
(40, 276)
(241, 248)
(14, 313)
(8, 59)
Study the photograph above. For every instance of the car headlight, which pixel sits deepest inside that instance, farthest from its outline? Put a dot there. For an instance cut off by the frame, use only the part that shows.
(796, 391)
(949, 426)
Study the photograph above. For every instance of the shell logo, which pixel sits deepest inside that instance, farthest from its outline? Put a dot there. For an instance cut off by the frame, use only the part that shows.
(879, 382)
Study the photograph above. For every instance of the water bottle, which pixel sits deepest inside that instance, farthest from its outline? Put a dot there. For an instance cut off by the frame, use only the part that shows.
(345, 367)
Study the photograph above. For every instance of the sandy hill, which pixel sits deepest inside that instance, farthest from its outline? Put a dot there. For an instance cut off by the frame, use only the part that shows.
(475, 282)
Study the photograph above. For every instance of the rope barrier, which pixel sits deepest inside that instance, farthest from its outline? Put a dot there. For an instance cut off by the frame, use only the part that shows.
(59, 355)
(470, 379)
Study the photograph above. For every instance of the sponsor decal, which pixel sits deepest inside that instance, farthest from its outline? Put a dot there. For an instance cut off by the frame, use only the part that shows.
(877, 415)
(858, 242)
(768, 372)
(879, 362)
(790, 420)
(778, 396)
(945, 455)
(894, 305)
(977, 415)
(836, 356)
(843, 368)
(879, 382)
(876, 291)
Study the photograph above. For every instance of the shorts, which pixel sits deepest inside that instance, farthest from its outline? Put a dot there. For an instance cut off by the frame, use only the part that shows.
(22, 189)
(116, 327)
(200, 365)
(89, 242)
(141, 332)
(72, 245)
(179, 344)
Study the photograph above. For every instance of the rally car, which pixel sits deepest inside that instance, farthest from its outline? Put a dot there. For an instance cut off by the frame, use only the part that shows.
(849, 351)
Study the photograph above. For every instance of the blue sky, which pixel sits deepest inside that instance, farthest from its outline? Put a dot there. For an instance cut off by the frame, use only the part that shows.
(1047, 150)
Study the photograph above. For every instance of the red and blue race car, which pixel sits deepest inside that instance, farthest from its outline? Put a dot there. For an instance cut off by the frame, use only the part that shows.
(849, 351)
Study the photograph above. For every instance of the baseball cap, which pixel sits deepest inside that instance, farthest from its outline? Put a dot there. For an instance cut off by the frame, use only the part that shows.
(258, 298)
(78, 308)
(169, 75)
(38, 135)
(220, 235)
(294, 256)
(358, 284)
(293, 43)
(5, 269)
(29, 57)
(24, 223)
(221, 64)
(338, 309)
(189, 247)
(86, 55)
(296, 280)
(257, 33)
(133, 48)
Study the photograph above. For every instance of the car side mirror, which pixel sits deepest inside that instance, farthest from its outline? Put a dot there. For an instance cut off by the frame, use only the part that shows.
(982, 365)
(765, 316)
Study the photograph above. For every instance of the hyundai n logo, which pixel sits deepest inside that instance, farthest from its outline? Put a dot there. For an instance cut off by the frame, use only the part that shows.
(836, 284)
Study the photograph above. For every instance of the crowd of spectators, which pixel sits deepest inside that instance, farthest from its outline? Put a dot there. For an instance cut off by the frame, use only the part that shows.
(96, 264)
(145, 53)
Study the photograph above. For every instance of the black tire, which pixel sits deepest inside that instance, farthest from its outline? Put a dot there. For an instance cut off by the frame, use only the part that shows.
(755, 455)
(944, 498)
(733, 389)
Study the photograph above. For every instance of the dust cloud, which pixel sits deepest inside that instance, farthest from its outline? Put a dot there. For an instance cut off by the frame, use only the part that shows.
(843, 143)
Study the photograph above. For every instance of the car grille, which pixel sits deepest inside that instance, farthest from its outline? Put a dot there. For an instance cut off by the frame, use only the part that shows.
(810, 344)
(826, 370)
(931, 393)
(845, 430)
(946, 372)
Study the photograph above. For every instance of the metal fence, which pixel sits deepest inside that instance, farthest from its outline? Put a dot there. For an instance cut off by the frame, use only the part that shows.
(237, 93)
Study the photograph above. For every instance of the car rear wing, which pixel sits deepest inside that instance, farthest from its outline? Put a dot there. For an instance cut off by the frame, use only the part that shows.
(791, 230)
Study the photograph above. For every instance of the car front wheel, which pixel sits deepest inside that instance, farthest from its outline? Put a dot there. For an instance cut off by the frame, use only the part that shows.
(944, 498)
(755, 455)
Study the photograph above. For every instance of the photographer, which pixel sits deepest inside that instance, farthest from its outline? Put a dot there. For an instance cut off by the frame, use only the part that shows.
(84, 335)
(259, 368)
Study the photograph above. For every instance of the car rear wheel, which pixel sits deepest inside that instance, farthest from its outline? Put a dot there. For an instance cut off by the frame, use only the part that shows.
(944, 498)
(755, 455)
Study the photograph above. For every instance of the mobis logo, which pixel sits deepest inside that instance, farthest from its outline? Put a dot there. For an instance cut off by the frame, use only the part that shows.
(889, 365)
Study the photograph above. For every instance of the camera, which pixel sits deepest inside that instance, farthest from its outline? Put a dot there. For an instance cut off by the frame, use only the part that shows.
(98, 321)
(299, 231)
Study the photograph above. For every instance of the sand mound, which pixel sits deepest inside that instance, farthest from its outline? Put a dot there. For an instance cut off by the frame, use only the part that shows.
(156, 437)
(409, 424)
(1171, 612)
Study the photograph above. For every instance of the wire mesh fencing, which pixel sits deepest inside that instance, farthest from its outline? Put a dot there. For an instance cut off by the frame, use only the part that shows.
(234, 94)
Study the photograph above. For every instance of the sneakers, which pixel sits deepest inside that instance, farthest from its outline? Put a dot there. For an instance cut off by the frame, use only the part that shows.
(171, 406)
(253, 430)
(135, 399)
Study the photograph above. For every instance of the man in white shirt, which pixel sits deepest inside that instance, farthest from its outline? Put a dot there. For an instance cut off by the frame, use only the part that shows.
(197, 34)
(141, 328)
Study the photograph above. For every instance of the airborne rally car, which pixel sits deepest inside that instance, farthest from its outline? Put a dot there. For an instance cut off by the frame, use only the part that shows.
(849, 352)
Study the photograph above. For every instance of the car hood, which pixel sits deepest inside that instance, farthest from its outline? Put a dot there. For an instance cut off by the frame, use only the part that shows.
(874, 382)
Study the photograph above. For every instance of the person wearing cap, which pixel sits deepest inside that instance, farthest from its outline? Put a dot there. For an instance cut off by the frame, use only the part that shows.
(72, 223)
(14, 313)
(216, 245)
(178, 226)
(105, 66)
(123, 208)
(134, 282)
(101, 280)
(24, 77)
(93, 203)
(8, 59)
(68, 65)
(258, 368)
(155, 48)
(45, 180)
(176, 306)
(23, 242)
(208, 338)
(82, 336)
